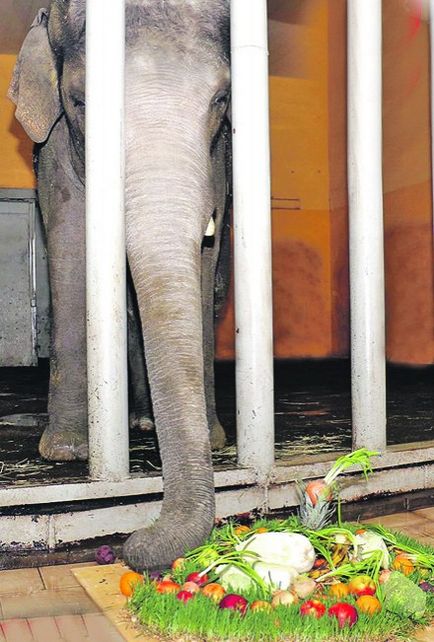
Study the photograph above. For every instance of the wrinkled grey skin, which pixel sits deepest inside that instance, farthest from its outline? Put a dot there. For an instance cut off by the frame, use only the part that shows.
(177, 90)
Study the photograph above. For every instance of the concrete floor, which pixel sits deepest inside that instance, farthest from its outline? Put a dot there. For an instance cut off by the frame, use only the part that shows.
(48, 605)
(312, 410)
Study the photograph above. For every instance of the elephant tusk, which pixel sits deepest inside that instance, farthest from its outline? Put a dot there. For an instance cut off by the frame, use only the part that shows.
(210, 230)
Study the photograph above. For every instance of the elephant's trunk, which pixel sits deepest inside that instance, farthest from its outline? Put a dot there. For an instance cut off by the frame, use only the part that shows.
(167, 212)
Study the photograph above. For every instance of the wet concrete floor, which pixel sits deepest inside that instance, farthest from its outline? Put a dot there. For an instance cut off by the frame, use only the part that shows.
(312, 415)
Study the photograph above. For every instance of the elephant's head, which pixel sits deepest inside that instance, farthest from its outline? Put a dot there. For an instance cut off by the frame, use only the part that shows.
(177, 93)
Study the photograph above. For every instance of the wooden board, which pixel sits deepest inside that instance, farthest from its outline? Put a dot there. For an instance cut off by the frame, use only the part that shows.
(102, 584)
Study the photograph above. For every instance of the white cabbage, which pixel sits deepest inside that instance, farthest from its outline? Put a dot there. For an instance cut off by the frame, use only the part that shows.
(368, 542)
(231, 577)
(278, 560)
(284, 549)
(277, 575)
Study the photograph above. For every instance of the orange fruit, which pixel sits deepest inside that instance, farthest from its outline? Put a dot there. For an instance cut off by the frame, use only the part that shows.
(260, 605)
(178, 563)
(214, 591)
(128, 581)
(368, 604)
(240, 530)
(403, 563)
(167, 586)
(339, 590)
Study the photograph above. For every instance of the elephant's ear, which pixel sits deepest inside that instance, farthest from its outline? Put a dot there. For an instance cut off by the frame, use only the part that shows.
(34, 87)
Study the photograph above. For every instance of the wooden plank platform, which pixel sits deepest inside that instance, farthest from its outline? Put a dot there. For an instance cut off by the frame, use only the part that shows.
(102, 585)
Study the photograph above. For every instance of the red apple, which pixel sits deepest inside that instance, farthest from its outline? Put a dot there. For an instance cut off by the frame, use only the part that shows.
(345, 613)
(234, 602)
(197, 578)
(184, 596)
(314, 608)
(362, 585)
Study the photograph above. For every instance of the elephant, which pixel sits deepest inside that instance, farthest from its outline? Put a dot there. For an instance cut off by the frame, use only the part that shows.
(176, 186)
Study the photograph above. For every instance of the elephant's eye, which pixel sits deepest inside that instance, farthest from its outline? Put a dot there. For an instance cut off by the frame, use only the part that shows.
(78, 102)
(221, 99)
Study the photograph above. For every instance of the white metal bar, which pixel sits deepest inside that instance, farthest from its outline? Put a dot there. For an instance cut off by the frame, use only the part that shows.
(366, 224)
(252, 223)
(105, 240)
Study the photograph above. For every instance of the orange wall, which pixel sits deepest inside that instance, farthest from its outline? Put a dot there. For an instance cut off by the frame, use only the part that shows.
(407, 189)
(302, 262)
(407, 185)
(16, 148)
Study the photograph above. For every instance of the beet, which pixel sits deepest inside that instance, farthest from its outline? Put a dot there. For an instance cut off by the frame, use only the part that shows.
(427, 587)
(105, 555)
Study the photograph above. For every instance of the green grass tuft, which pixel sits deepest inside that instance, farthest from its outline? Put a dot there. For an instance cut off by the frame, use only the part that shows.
(201, 619)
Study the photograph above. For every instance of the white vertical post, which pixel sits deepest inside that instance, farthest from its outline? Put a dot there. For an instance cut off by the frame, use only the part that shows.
(365, 188)
(252, 223)
(105, 241)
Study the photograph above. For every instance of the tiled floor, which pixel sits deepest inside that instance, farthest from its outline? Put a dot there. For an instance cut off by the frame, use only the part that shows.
(49, 605)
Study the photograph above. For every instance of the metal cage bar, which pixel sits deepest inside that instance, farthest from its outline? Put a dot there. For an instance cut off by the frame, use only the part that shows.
(365, 195)
(252, 235)
(105, 241)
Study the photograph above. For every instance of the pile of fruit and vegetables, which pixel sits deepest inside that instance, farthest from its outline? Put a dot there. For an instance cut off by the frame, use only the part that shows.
(285, 580)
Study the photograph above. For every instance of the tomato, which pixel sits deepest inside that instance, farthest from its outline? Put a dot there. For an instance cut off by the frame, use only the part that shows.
(362, 585)
(313, 608)
(128, 581)
(368, 604)
(345, 613)
(167, 586)
(214, 591)
(197, 578)
(339, 590)
(184, 596)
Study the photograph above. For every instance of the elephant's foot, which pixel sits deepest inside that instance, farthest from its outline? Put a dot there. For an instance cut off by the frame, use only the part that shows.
(141, 422)
(64, 445)
(217, 435)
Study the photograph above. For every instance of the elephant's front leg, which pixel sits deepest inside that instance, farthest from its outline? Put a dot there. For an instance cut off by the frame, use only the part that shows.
(62, 204)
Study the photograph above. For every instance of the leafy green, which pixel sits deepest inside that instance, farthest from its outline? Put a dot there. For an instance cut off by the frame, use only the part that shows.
(403, 597)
